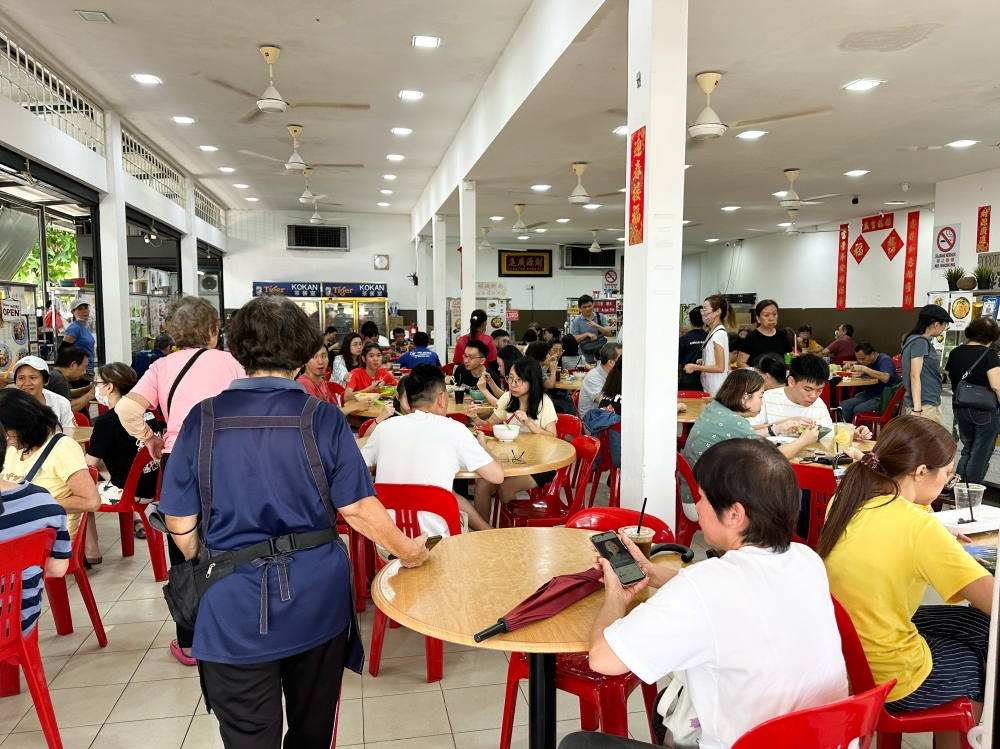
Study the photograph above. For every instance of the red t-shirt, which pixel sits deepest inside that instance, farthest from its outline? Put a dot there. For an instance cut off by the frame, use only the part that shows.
(842, 348)
(317, 389)
(464, 340)
(358, 379)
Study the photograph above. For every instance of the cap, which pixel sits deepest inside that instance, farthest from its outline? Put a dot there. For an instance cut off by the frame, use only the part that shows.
(932, 311)
(32, 361)
(78, 302)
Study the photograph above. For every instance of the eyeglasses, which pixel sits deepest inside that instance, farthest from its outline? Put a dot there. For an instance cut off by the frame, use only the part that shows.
(470, 357)
(953, 480)
(514, 382)
(513, 458)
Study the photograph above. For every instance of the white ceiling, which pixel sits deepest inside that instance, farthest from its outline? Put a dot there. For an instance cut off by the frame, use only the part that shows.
(939, 61)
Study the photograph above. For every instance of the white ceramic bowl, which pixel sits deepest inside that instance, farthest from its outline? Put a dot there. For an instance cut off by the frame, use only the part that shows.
(505, 432)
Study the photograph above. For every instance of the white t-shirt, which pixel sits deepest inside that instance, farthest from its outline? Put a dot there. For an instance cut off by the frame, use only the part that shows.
(423, 448)
(712, 381)
(775, 406)
(546, 412)
(754, 631)
(62, 408)
(590, 390)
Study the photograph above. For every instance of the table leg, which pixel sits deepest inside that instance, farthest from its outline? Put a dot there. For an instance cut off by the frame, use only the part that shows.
(541, 701)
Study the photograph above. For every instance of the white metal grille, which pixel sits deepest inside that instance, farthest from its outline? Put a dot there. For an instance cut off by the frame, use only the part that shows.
(27, 82)
(143, 163)
(208, 210)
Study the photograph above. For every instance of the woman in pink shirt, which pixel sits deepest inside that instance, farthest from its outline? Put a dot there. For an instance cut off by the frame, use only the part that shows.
(477, 327)
(175, 384)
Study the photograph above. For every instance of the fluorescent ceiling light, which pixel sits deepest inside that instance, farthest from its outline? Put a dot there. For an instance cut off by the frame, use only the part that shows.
(621, 130)
(711, 240)
(562, 220)
(240, 186)
(252, 200)
(687, 166)
(621, 239)
(226, 169)
(686, 222)
(94, 16)
(787, 223)
(541, 188)
(426, 41)
(401, 131)
(27, 193)
(592, 206)
(525, 236)
(382, 205)
(780, 193)
(752, 134)
(731, 208)
(183, 120)
(962, 143)
(540, 231)
(394, 157)
(496, 218)
(388, 176)
(386, 192)
(856, 173)
(862, 84)
(411, 95)
(208, 148)
(895, 202)
(146, 80)
(623, 189)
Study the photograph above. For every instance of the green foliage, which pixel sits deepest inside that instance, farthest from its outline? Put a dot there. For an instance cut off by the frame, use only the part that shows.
(982, 273)
(954, 274)
(62, 258)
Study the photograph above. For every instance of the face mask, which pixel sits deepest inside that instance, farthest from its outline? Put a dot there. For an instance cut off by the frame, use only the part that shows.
(102, 399)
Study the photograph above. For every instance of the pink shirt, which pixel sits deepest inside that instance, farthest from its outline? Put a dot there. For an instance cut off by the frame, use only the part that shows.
(208, 377)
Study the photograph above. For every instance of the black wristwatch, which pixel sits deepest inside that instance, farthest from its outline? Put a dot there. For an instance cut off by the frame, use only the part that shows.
(770, 430)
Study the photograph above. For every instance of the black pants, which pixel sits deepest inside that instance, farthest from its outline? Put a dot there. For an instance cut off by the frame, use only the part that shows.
(247, 699)
(185, 636)
(594, 740)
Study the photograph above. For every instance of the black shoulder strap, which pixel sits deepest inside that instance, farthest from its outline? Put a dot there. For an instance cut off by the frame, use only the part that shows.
(180, 376)
(986, 350)
(205, 462)
(45, 454)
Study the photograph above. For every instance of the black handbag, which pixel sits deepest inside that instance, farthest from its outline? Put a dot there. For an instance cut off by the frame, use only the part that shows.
(976, 397)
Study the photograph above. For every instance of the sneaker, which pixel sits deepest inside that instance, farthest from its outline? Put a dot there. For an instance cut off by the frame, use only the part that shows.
(176, 652)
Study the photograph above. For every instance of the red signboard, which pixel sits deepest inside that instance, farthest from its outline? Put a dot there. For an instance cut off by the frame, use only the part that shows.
(876, 223)
(842, 268)
(983, 230)
(859, 249)
(910, 274)
(892, 244)
(513, 315)
(637, 189)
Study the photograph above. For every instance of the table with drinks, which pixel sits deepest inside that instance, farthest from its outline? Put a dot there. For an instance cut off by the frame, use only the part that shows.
(458, 402)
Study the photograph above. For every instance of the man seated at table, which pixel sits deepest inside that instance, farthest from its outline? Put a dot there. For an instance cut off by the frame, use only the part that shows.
(754, 629)
(370, 334)
(871, 364)
(398, 347)
(807, 376)
(419, 354)
(593, 381)
(501, 338)
(473, 366)
(70, 367)
(427, 447)
(842, 346)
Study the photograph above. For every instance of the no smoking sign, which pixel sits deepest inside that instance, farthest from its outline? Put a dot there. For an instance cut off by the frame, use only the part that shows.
(946, 244)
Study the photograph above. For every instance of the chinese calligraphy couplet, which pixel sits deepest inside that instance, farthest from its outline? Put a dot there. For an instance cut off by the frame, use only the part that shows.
(636, 188)
(910, 272)
(983, 230)
(842, 268)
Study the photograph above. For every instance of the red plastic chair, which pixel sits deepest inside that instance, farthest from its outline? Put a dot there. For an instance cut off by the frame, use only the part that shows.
(81, 419)
(336, 392)
(448, 368)
(952, 716)
(101, 410)
(875, 422)
(819, 481)
(605, 464)
(686, 528)
(898, 361)
(16, 649)
(58, 596)
(576, 400)
(693, 394)
(568, 427)
(365, 426)
(832, 726)
(406, 500)
(125, 508)
(550, 510)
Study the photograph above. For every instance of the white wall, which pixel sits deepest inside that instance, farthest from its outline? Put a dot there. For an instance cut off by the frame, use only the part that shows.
(691, 278)
(958, 201)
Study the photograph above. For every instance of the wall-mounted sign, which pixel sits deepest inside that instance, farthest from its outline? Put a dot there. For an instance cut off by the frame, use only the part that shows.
(513, 315)
(611, 277)
(876, 223)
(525, 263)
(910, 272)
(637, 186)
(983, 229)
(842, 268)
(892, 244)
(319, 288)
(333, 288)
(859, 249)
(945, 249)
(287, 288)
(491, 289)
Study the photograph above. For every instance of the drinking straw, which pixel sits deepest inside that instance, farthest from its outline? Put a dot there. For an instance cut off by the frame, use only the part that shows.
(642, 512)
(972, 517)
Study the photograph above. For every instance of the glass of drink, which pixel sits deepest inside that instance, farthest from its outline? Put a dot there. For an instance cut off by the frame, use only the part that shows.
(968, 495)
(843, 435)
(641, 537)
(459, 396)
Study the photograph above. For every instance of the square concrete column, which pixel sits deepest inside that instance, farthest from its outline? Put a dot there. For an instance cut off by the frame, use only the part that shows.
(114, 311)
(657, 104)
(440, 265)
(189, 245)
(467, 231)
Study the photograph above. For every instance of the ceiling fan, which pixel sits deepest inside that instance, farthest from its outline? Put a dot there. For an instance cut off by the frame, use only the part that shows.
(295, 163)
(271, 101)
(316, 218)
(595, 247)
(307, 196)
(579, 196)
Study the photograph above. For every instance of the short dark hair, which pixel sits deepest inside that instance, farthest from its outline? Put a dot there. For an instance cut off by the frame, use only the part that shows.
(867, 349)
(398, 330)
(610, 352)
(22, 414)
(771, 364)
(538, 350)
(738, 383)
(163, 341)
(479, 346)
(983, 330)
(585, 299)
(694, 315)
(806, 329)
(423, 385)
(70, 355)
(331, 329)
(530, 336)
(369, 347)
(570, 345)
(755, 474)
(500, 334)
(847, 328)
(809, 368)
(420, 338)
(369, 329)
(120, 375)
(508, 355)
(553, 331)
(272, 333)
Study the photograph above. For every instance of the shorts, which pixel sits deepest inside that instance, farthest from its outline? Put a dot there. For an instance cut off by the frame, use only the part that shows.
(931, 413)
(541, 479)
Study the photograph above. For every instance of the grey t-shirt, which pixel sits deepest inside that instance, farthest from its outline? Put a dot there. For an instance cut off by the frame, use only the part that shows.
(590, 390)
(930, 374)
(579, 326)
(57, 384)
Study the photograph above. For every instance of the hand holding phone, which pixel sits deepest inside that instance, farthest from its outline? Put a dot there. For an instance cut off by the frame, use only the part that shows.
(613, 549)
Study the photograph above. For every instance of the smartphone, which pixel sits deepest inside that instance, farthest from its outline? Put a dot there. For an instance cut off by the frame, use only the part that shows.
(613, 549)
(429, 544)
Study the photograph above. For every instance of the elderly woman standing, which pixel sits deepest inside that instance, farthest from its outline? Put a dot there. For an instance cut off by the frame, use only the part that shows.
(275, 462)
(174, 384)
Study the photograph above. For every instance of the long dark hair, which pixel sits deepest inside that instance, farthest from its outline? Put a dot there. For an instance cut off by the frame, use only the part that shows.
(905, 444)
(571, 347)
(613, 384)
(508, 355)
(923, 322)
(345, 351)
(477, 320)
(530, 372)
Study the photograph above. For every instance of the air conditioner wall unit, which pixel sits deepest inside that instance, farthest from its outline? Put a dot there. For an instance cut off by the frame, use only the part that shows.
(579, 256)
(208, 284)
(321, 238)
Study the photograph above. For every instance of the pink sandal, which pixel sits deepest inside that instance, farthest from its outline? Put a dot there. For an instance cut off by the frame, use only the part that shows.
(176, 652)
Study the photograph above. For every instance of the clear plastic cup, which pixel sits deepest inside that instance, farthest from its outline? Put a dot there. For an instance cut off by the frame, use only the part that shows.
(641, 537)
(969, 495)
(843, 436)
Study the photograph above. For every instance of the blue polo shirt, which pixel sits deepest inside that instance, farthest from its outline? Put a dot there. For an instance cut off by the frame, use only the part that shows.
(262, 487)
(883, 363)
(418, 355)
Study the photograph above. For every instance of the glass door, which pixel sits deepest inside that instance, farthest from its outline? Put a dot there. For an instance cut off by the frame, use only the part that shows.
(341, 314)
(376, 311)
(311, 308)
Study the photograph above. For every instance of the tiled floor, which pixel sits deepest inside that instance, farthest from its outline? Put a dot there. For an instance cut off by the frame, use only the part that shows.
(134, 694)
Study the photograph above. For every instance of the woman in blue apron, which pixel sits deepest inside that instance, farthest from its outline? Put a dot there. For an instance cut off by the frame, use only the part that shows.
(265, 463)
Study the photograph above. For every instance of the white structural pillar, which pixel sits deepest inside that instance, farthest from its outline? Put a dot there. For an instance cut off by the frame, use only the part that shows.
(189, 246)
(440, 298)
(422, 281)
(467, 232)
(657, 101)
(114, 310)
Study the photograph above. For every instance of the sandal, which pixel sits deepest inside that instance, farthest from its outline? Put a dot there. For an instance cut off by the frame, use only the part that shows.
(176, 652)
(138, 530)
(95, 560)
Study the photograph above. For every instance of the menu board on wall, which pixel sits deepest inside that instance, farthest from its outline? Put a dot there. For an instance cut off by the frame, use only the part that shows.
(14, 333)
(960, 309)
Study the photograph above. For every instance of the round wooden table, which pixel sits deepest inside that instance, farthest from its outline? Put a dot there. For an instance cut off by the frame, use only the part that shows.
(472, 580)
(575, 384)
(453, 408)
(857, 382)
(694, 408)
(79, 434)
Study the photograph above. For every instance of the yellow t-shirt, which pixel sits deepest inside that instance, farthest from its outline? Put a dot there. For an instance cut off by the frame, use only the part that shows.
(65, 459)
(546, 412)
(879, 570)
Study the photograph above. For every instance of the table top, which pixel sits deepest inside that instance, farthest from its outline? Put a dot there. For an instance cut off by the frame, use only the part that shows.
(473, 579)
(575, 384)
(453, 408)
(854, 382)
(827, 446)
(80, 434)
(694, 409)
(541, 453)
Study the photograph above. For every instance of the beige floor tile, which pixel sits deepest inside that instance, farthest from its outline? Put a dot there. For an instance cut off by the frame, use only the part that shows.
(12, 709)
(80, 737)
(94, 669)
(567, 705)
(638, 726)
(141, 588)
(399, 643)
(163, 733)
(476, 708)
(159, 664)
(474, 668)
(490, 739)
(398, 676)
(351, 724)
(919, 740)
(444, 741)
(171, 698)
(203, 733)
(78, 613)
(167, 633)
(83, 706)
(405, 716)
(51, 644)
(563, 729)
(135, 636)
(140, 610)
(350, 686)
(52, 666)
(103, 592)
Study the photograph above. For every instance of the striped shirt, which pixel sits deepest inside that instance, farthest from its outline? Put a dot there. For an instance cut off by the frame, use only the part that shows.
(30, 508)
(775, 406)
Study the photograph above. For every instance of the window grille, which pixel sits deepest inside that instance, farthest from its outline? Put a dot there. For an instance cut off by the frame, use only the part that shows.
(143, 163)
(207, 209)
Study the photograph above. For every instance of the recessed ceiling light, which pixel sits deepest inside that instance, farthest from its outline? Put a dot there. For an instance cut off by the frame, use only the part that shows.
(711, 240)
(252, 200)
(686, 222)
(208, 148)
(146, 80)
(856, 173)
(183, 120)
(541, 188)
(426, 41)
(386, 192)
(731, 208)
(93, 16)
(524, 237)
(540, 231)
(562, 220)
(592, 206)
(411, 95)
(394, 157)
(388, 176)
(496, 218)
(787, 223)
(752, 134)
(240, 186)
(401, 131)
(780, 193)
(623, 189)
(962, 143)
(621, 239)
(226, 169)
(382, 205)
(895, 202)
(621, 130)
(687, 166)
(862, 84)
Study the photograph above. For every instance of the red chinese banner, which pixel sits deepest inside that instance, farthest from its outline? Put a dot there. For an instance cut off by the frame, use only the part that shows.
(637, 187)
(842, 268)
(859, 249)
(876, 223)
(910, 274)
(892, 244)
(983, 230)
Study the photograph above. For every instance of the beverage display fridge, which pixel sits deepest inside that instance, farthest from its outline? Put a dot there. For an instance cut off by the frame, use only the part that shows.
(346, 306)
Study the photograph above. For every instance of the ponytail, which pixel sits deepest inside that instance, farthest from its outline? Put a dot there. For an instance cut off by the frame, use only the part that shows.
(727, 315)
(919, 329)
(478, 319)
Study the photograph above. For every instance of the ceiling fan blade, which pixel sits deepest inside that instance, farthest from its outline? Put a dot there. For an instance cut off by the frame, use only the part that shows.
(323, 202)
(250, 116)
(614, 194)
(260, 156)
(231, 87)
(822, 197)
(784, 117)
(920, 148)
(532, 226)
(328, 105)
(336, 166)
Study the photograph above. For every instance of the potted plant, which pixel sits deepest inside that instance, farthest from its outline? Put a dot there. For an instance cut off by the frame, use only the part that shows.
(984, 277)
(953, 275)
